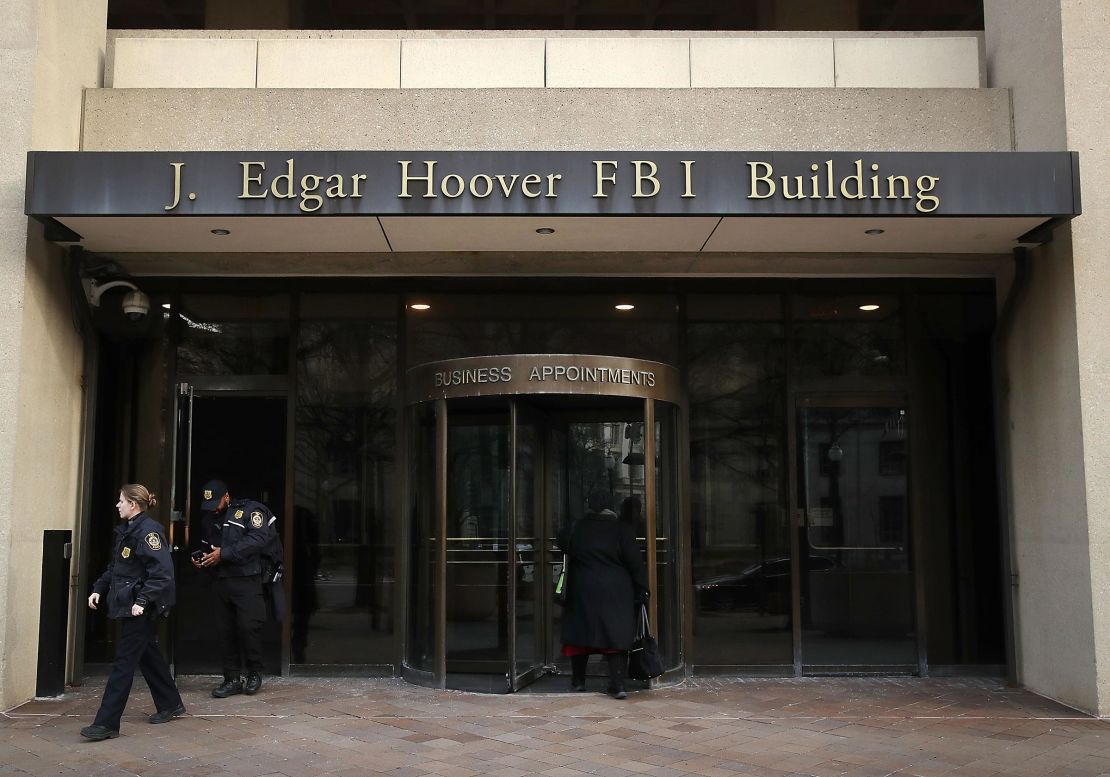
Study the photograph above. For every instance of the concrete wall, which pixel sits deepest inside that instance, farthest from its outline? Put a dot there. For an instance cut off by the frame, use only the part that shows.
(1054, 58)
(52, 49)
(569, 119)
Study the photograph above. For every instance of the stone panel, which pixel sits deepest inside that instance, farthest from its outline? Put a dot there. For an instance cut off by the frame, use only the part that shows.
(329, 64)
(627, 63)
(756, 62)
(460, 63)
(184, 63)
(893, 63)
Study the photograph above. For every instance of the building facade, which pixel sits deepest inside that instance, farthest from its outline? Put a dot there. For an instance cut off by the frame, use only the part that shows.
(816, 304)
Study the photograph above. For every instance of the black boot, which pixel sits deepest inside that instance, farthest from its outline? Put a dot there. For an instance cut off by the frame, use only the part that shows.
(617, 662)
(230, 687)
(578, 672)
(254, 683)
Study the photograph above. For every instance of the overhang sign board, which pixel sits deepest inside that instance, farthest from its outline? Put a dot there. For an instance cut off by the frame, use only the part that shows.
(555, 183)
(579, 374)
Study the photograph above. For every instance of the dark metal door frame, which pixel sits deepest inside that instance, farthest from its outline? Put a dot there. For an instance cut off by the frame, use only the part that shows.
(185, 391)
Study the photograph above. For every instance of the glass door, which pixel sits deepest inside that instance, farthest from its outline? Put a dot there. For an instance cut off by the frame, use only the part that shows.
(478, 542)
(856, 580)
(527, 602)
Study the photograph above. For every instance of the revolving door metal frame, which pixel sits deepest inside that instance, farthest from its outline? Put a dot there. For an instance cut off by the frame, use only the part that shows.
(437, 383)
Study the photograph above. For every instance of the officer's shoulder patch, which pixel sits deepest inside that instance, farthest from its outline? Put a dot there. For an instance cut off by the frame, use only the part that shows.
(257, 519)
(154, 541)
(238, 515)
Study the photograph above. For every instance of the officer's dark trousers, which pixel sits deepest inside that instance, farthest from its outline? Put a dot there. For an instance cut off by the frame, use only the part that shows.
(240, 622)
(138, 646)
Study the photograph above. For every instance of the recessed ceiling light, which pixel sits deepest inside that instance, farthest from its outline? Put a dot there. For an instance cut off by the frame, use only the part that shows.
(221, 232)
(420, 306)
(625, 306)
(869, 307)
(545, 231)
(873, 231)
(167, 305)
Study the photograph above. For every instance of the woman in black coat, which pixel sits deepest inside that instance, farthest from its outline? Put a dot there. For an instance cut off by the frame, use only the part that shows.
(137, 589)
(606, 579)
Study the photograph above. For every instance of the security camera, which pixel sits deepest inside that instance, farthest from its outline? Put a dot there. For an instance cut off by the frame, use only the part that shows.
(136, 305)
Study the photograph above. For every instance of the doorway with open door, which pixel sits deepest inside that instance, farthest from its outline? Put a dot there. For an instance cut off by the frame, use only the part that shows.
(240, 437)
(499, 479)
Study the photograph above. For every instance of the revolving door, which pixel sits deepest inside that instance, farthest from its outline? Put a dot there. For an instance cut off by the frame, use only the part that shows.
(498, 471)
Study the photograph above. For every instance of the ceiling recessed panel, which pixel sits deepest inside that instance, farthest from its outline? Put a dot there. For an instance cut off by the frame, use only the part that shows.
(524, 233)
(315, 234)
(870, 235)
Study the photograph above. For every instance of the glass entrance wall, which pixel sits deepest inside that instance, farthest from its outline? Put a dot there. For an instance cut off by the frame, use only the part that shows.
(342, 553)
(746, 361)
(741, 545)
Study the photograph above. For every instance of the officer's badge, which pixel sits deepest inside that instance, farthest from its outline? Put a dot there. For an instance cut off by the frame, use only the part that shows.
(256, 519)
(154, 541)
(126, 553)
(207, 493)
(238, 515)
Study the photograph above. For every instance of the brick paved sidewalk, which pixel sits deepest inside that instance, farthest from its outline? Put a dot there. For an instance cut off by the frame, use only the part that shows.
(300, 727)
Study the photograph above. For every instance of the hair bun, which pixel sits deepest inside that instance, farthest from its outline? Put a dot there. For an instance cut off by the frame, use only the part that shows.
(153, 502)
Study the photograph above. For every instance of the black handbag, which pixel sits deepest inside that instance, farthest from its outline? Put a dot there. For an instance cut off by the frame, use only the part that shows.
(644, 659)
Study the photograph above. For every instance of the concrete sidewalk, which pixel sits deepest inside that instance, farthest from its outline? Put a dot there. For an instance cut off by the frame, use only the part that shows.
(300, 727)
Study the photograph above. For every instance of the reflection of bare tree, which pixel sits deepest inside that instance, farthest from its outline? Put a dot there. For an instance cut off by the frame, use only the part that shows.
(232, 347)
(345, 448)
(737, 421)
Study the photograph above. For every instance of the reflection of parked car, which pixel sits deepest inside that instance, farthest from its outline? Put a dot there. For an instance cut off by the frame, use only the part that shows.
(763, 586)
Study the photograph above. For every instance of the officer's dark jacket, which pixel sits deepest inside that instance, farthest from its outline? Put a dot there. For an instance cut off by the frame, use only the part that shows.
(246, 530)
(141, 570)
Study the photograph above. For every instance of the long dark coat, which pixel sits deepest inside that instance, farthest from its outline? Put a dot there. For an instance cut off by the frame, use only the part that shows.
(606, 573)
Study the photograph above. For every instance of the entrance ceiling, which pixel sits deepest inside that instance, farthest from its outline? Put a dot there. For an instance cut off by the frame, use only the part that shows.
(671, 234)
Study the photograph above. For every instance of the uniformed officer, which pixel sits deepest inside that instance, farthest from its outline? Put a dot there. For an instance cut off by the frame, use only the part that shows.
(139, 587)
(246, 529)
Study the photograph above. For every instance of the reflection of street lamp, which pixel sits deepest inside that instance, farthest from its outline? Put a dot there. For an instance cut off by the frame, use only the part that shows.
(610, 466)
(634, 433)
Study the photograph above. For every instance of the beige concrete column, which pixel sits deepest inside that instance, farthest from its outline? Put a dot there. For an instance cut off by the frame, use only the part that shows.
(52, 50)
(17, 49)
(1085, 32)
(1053, 58)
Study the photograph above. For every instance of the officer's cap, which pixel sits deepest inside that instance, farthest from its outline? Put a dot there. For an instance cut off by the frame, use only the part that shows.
(211, 493)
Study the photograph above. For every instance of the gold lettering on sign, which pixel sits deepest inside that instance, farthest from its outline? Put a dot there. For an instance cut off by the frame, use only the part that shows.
(649, 176)
(855, 185)
(406, 178)
(176, 185)
(599, 167)
(687, 167)
(248, 179)
(287, 177)
(527, 183)
(753, 190)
